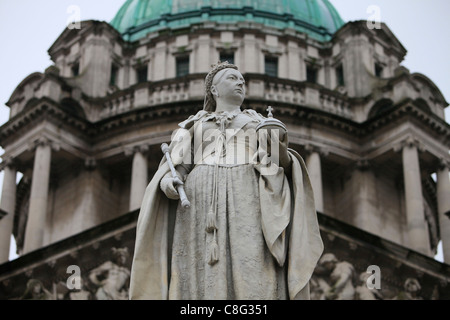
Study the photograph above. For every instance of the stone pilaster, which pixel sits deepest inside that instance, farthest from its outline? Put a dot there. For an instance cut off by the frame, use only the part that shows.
(443, 200)
(417, 229)
(37, 213)
(139, 178)
(7, 204)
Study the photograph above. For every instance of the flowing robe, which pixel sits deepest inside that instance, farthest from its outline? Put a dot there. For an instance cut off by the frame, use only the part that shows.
(266, 232)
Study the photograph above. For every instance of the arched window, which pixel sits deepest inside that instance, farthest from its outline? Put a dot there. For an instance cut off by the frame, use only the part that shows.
(422, 105)
(380, 107)
(72, 107)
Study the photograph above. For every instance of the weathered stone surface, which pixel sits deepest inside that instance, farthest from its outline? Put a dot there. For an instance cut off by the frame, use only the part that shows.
(91, 249)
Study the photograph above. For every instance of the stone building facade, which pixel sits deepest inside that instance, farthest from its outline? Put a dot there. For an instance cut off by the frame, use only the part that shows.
(86, 136)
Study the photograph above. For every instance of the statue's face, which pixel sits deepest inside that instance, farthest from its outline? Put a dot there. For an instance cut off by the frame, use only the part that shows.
(412, 286)
(329, 265)
(37, 288)
(121, 259)
(229, 84)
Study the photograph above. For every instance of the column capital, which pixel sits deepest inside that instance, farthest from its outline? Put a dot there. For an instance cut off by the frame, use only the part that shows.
(311, 148)
(142, 148)
(363, 164)
(44, 141)
(409, 142)
(90, 163)
(443, 163)
(8, 163)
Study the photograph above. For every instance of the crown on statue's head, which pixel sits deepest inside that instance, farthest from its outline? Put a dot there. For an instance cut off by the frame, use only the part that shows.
(209, 103)
(219, 66)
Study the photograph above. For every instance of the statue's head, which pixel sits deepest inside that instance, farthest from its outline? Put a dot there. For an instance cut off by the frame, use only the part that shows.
(224, 81)
(120, 255)
(34, 289)
(412, 285)
(35, 286)
(328, 261)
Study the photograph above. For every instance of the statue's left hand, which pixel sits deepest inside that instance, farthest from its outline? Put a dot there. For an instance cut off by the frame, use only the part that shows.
(275, 131)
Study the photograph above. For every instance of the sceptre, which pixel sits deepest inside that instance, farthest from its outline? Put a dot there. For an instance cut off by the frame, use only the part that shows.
(179, 184)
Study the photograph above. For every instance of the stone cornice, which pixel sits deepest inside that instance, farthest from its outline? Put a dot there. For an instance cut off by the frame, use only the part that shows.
(43, 108)
(292, 115)
(49, 109)
(159, 113)
(407, 108)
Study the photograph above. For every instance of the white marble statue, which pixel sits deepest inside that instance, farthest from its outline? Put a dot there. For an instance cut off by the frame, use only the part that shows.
(251, 230)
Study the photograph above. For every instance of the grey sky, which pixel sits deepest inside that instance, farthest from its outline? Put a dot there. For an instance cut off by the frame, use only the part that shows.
(29, 27)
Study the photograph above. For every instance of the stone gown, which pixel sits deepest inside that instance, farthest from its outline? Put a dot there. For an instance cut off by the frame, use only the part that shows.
(245, 268)
(250, 233)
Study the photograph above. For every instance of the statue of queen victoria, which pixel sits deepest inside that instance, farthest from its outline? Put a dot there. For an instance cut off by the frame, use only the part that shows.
(250, 230)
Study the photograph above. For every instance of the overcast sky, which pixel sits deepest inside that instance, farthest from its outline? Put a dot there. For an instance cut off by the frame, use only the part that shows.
(29, 27)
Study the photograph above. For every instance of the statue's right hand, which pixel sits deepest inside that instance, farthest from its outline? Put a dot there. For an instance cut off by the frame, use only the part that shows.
(168, 186)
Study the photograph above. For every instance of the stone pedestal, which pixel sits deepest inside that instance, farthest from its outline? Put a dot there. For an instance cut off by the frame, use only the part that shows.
(443, 199)
(37, 213)
(7, 204)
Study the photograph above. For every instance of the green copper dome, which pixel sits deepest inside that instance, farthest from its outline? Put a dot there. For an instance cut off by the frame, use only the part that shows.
(318, 18)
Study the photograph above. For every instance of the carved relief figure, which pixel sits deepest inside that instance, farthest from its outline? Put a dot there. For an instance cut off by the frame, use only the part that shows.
(411, 291)
(319, 286)
(339, 278)
(112, 277)
(251, 230)
(362, 291)
(36, 291)
(80, 294)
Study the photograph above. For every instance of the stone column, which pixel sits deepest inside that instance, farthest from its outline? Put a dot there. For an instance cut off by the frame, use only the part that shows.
(364, 197)
(443, 200)
(7, 204)
(415, 217)
(314, 167)
(37, 212)
(139, 179)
